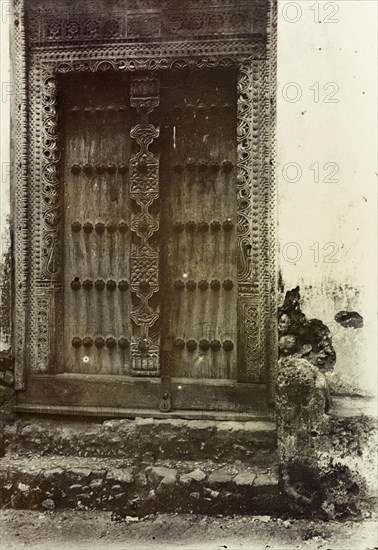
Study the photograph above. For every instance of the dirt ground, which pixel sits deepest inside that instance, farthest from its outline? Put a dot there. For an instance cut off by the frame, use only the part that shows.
(71, 530)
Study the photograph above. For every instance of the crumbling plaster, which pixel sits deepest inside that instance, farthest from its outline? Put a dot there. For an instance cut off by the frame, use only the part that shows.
(339, 215)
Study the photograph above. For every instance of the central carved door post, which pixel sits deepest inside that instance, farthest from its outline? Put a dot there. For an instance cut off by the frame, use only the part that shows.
(144, 190)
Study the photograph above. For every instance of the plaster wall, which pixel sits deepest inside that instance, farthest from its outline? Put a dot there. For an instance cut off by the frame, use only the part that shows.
(326, 104)
(6, 92)
(327, 112)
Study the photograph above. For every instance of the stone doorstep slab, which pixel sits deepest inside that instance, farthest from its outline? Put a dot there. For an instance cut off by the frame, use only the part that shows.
(168, 438)
(136, 489)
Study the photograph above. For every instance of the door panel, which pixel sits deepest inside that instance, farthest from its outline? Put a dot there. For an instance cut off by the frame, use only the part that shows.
(96, 122)
(198, 222)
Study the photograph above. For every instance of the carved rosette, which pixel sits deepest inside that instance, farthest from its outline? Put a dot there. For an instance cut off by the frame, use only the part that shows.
(144, 190)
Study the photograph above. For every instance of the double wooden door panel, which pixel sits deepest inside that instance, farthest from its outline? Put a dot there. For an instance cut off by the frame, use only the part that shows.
(142, 269)
(97, 145)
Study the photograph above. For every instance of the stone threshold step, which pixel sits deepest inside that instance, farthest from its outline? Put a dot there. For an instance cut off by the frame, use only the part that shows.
(130, 488)
(158, 438)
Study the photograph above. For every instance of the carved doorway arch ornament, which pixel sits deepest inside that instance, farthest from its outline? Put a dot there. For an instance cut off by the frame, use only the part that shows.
(38, 213)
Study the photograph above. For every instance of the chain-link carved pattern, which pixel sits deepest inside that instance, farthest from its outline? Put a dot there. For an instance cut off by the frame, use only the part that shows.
(144, 190)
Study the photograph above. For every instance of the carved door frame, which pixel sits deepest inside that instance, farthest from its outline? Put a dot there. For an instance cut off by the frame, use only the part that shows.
(38, 286)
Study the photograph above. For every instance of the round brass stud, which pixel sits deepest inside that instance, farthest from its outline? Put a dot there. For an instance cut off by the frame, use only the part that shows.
(178, 227)
(99, 342)
(87, 342)
(100, 168)
(88, 284)
(228, 345)
(76, 169)
(88, 227)
(228, 225)
(111, 285)
(76, 226)
(123, 168)
(179, 343)
(204, 345)
(191, 226)
(76, 342)
(203, 227)
(191, 345)
(179, 285)
(111, 342)
(99, 284)
(228, 284)
(100, 227)
(191, 285)
(123, 227)
(123, 343)
(111, 227)
(227, 166)
(203, 285)
(88, 169)
(215, 284)
(215, 226)
(123, 285)
(76, 284)
(215, 345)
(111, 168)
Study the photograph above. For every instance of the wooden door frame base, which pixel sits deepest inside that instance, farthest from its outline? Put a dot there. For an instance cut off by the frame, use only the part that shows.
(73, 392)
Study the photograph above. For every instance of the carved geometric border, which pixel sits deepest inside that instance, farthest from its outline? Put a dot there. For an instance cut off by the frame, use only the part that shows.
(37, 237)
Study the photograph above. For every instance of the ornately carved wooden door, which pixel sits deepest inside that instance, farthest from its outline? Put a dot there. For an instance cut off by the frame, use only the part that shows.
(197, 238)
(97, 119)
(198, 223)
(148, 171)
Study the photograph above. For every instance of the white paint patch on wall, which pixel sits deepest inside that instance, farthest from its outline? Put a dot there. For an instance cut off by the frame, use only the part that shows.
(326, 173)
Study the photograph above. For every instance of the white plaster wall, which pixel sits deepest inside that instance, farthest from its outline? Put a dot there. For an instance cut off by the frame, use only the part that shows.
(344, 54)
(6, 89)
(308, 132)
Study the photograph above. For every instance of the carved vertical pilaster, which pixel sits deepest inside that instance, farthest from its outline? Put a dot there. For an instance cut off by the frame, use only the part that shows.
(20, 187)
(249, 315)
(46, 282)
(144, 190)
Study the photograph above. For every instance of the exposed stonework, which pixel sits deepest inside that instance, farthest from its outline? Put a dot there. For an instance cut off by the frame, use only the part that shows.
(302, 337)
(143, 439)
(327, 462)
(141, 466)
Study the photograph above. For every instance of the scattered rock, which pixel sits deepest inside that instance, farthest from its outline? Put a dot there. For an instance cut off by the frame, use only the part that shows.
(219, 477)
(52, 474)
(48, 504)
(263, 519)
(122, 475)
(245, 478)
(195, 476)
(24, 488)
(263, 480)
(156, 473)
(80, 472)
